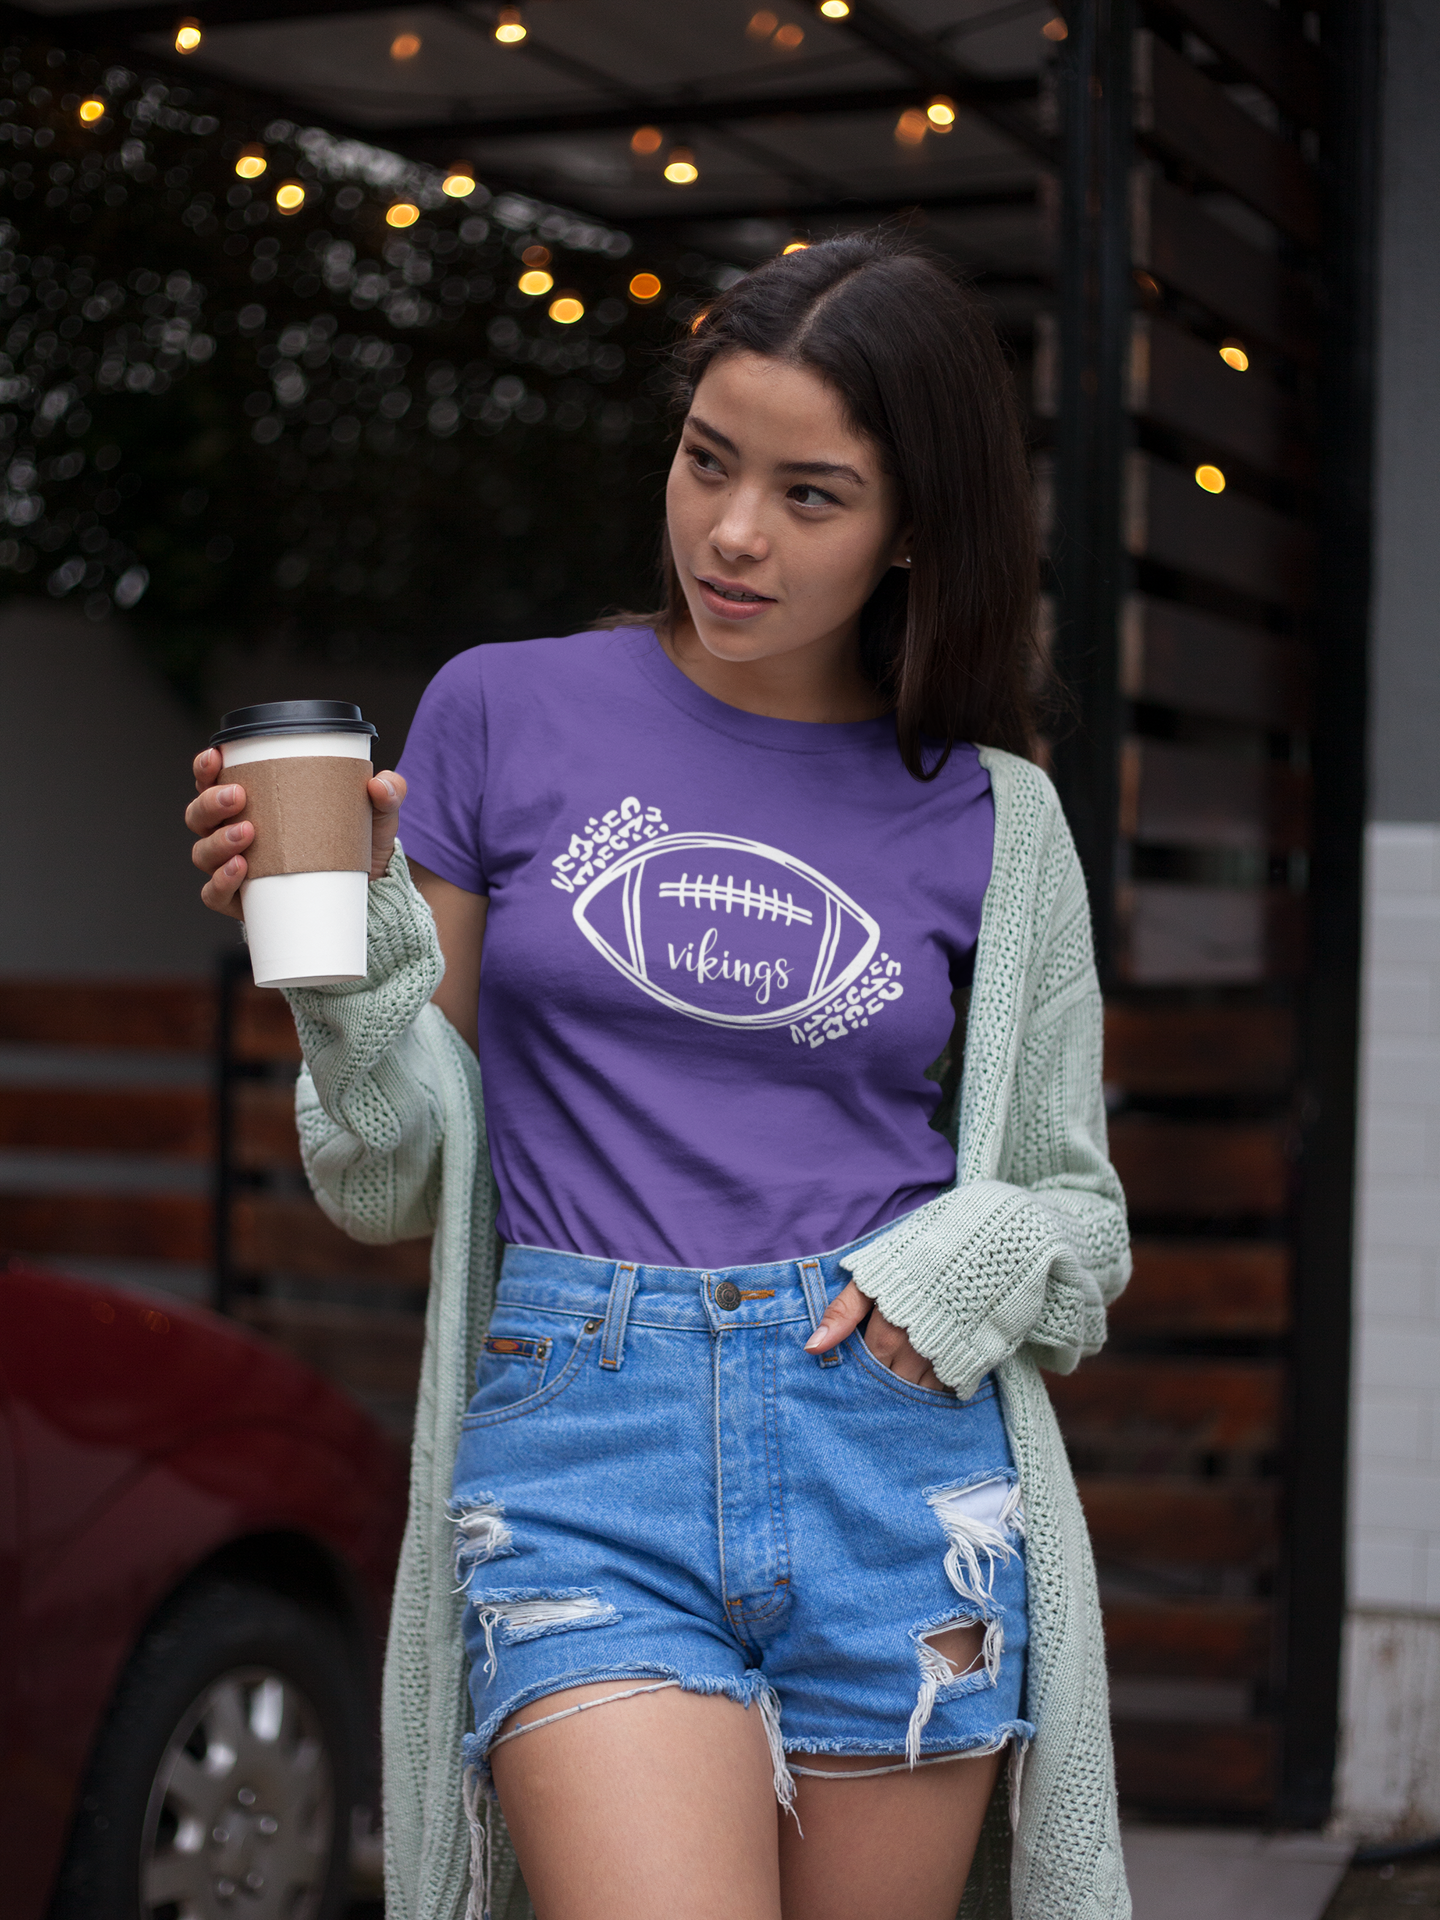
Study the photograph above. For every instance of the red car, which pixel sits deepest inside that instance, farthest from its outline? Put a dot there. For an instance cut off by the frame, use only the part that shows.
(197, 1541)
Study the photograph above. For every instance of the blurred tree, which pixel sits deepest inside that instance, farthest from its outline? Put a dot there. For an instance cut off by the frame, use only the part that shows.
(343, 424)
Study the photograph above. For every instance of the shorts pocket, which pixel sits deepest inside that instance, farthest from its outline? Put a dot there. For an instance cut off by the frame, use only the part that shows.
(944, 1402)
(516, 1371)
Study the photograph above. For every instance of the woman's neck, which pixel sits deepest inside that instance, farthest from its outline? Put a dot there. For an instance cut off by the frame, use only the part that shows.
(824, 683)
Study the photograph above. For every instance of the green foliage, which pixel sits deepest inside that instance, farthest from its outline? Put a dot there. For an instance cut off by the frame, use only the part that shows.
(236, 423)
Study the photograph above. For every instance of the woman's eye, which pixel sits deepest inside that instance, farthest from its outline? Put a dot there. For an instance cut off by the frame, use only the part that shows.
(813, 497)
(705, 460)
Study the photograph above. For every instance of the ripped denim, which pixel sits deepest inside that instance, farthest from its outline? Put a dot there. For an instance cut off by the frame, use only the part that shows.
(657, 1486)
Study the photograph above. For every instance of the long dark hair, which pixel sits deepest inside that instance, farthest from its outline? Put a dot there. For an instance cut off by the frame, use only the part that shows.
(950, 640)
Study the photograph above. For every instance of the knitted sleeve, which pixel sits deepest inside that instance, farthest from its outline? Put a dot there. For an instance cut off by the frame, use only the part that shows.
(1028, 1255)
(369, 1114)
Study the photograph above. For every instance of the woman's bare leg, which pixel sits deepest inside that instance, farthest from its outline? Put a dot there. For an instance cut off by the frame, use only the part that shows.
(651, 1808)
(900, 1843)
(876, 1849)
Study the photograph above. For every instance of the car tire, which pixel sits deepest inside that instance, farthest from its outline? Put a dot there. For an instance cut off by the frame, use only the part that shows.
(223, 1778)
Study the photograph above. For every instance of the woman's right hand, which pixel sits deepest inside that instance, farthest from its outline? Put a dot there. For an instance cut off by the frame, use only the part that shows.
(221, 838)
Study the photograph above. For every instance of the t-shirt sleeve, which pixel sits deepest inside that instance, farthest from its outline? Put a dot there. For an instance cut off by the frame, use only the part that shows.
(444, 767)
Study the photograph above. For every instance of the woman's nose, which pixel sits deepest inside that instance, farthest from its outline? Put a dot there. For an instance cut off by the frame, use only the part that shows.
(738, 534)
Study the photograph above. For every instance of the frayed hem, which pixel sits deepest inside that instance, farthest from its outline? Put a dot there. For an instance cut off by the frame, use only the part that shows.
(1016, 1737)
(752, 1689)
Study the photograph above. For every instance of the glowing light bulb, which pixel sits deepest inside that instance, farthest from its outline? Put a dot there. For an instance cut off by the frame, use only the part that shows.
(1055, 29)
(680, 168)
(789, 37)
(250, 163)
(535, 283)
(290, 196)
(458, 182)
(835, 9)
(91, 111)
(646, 140)
(644, 287)
(796, 246)
(1234, 355)
(510, 28)
(762, 24)
(187, 36)
(912, 127)
(941, 113)
(536, 256)
(404, 213)
(405, 46)
(567, 309)
(1210, 478)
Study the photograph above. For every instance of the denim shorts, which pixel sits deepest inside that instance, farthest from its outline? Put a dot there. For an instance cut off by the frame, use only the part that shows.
(656, 1485)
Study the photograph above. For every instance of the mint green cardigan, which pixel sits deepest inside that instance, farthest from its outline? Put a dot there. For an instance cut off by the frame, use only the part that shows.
(1009, 1270)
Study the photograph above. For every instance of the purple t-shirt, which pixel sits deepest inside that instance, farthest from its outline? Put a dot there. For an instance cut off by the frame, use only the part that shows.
(718, 957)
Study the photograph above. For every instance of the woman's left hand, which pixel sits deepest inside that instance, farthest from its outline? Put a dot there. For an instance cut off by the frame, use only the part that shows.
(890, 1345)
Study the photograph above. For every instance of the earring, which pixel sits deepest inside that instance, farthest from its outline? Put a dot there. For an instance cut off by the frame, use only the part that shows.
(905, 562)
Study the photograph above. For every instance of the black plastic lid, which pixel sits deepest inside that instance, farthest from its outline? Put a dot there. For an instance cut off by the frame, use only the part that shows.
(291, 716)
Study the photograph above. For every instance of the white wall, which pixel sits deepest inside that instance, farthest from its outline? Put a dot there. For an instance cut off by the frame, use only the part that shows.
(1389, 1783)
(1390, 1771)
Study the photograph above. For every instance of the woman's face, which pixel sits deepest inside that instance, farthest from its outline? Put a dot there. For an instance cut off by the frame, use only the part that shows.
(782, 520)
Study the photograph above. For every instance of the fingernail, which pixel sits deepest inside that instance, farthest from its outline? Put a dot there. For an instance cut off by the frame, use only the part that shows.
(232, 867)
(814, 1340)
(235, 835)
(388, 788)
(228, 796)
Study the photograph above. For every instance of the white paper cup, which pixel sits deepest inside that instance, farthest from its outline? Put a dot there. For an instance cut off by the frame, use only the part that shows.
(303, 929)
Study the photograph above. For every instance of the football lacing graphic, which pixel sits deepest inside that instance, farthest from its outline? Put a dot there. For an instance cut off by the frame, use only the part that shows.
(710, 893)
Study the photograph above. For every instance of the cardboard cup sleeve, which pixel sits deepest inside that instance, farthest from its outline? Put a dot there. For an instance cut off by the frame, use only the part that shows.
(311, 815)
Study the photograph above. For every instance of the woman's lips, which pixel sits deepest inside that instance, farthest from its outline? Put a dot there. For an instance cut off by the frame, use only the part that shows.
(716, 597)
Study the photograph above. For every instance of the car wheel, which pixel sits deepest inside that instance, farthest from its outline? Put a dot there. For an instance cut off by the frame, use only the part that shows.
(222, 1781)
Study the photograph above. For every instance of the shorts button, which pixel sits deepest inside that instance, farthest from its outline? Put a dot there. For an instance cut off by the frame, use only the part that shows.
(727, 1295)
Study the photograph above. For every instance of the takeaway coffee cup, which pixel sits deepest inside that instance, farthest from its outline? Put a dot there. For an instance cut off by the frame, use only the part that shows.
(303, 765)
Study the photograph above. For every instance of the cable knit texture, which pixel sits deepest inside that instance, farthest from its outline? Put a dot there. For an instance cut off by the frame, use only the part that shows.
(1010, 1270)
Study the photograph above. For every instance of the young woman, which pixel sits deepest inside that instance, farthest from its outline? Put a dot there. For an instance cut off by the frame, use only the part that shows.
(766, 1546)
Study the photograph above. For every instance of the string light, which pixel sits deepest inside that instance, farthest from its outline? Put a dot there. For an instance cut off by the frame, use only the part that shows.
(699, 320)
(404, 213)
(250, 163)
(458, 182)
(567, 309)
(645, 287)
(941, 113)
(405, 46)
(789, 37)
(796, 246)
(1210, 478)
(646, 140)
(1055, 29)
(1233, 353)
(290, 196)
(762, 25)
(912, 127)
(1148, 283)
(536, 256)
(680, 168)
(187, 36)
(835, 9)
(535, 283)
(510, 28)
(91, 111)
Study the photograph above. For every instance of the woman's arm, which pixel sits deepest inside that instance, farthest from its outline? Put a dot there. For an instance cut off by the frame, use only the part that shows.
(460, 924)
(1032, 1255)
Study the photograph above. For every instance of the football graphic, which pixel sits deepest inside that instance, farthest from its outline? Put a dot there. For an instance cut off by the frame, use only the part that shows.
(726, 930)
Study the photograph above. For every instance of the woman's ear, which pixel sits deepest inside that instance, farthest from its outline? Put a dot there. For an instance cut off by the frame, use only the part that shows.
(904, 540)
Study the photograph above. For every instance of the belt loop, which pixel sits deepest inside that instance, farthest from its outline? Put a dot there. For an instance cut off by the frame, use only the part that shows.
(812, 1279)
(617, 1313)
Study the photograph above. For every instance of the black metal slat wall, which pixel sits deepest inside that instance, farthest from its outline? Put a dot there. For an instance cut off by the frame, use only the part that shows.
(1208, 562)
